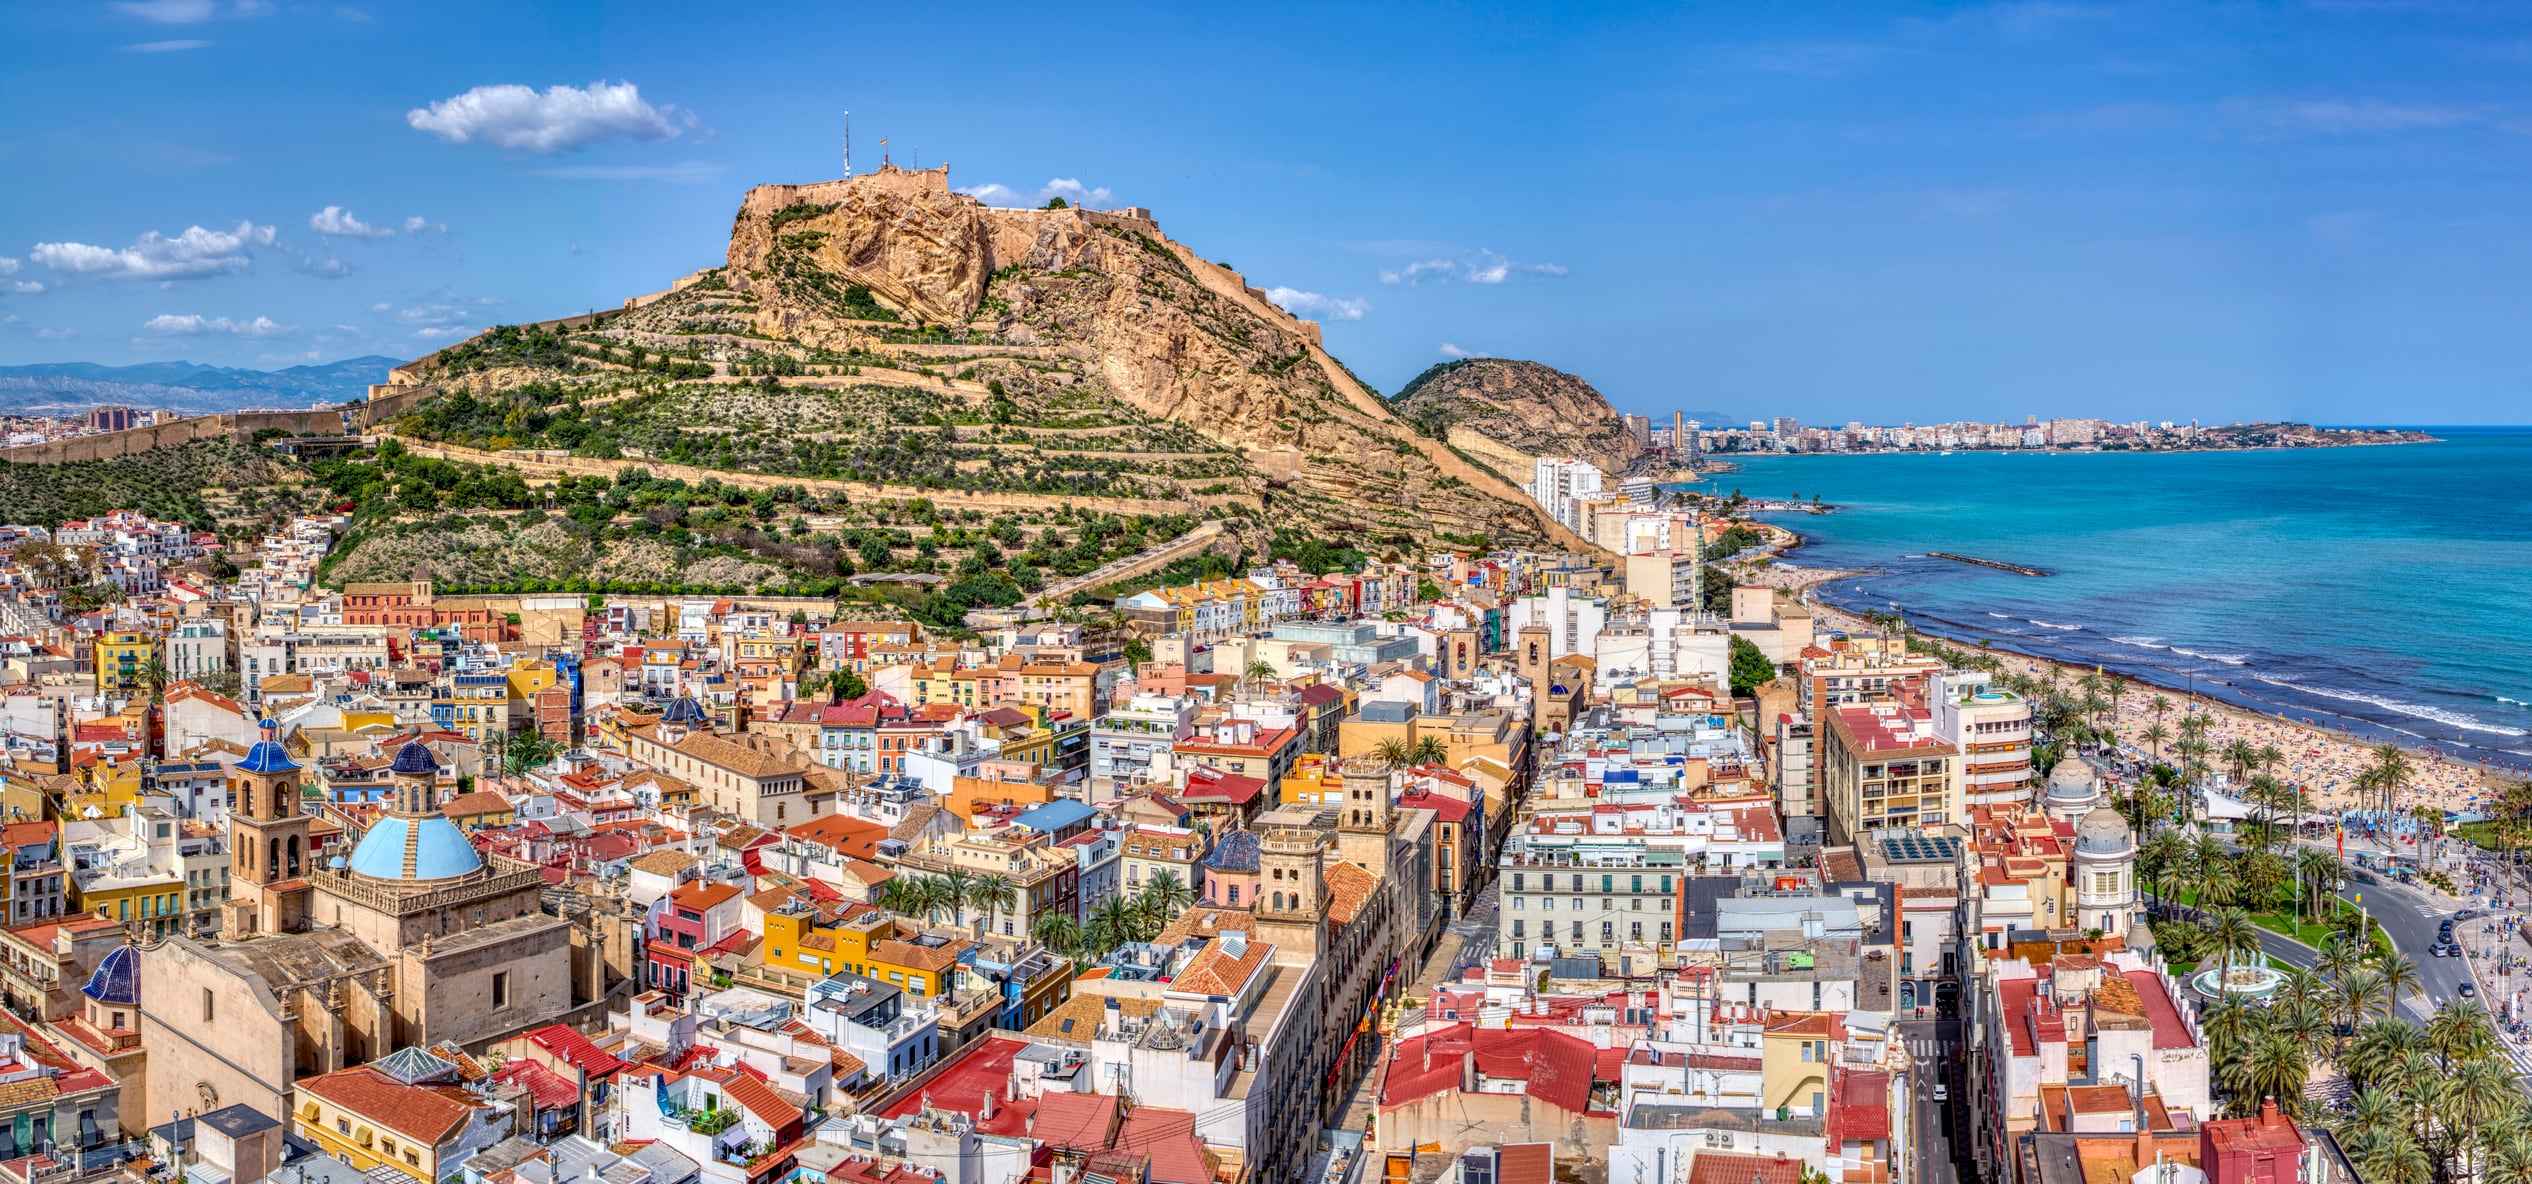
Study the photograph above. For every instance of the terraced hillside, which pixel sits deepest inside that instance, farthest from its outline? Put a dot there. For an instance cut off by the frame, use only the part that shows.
(883, 338)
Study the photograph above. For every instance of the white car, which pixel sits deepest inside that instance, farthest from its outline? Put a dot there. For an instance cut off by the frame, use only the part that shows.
(1941, 1092)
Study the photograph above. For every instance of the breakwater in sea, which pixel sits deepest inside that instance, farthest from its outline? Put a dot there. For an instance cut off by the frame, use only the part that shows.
(2377, 589)
(1997, 564)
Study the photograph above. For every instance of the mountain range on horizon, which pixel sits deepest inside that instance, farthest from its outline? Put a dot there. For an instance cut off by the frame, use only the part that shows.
(66, 388)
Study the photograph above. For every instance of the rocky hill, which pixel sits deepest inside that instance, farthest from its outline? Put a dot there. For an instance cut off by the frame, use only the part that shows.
(885, 337)
(1516, 410)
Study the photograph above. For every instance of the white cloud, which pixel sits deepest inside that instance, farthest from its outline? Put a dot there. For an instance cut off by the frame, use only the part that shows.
(195, 325)
(55, 334)
(556, 120)
(689, 172)
(328, 268)
(1312, 304)
(1485, 267)
(443, 332)
(2339, 117)
(1453, 351)
(165, 46)
(8, 266)
(1070, 189)
(25, 287)
(195, 253)
(338, 222)
(417, 224)
(190, 12)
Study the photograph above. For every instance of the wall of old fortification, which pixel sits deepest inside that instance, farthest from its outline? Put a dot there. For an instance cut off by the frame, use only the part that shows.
(239, 426)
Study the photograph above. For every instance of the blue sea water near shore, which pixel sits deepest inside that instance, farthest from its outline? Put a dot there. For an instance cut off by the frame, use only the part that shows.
(2382, 590)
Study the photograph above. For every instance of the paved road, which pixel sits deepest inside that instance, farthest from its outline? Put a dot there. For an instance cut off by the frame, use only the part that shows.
(1934, 1156)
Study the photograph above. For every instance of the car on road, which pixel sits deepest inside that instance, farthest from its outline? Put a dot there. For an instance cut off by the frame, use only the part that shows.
(2466, 991)
(1942, 1093)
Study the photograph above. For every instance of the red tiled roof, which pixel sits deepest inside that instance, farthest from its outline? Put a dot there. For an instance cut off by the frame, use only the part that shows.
(761, 1098)
(1724, 1167)
(419, 1113)
(570, 1045)
(699, 895)
(1552, 1066)
(1859, 1107)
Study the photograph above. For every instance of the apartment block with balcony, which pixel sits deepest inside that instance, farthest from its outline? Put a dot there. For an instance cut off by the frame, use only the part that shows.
(1992, 729)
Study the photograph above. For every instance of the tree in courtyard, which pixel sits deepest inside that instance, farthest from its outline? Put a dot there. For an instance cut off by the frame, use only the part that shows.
(1750, 667)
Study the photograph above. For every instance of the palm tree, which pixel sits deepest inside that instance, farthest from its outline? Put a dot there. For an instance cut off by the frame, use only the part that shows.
(1258, 674)
(1164, 895)
(2154, 734)
(2277, 1068)
(955, 890)
(1112, 923)
(2361, 992)
(154, 676)
(2233, 933)
(1430, 750)
(2377, 1052)
(1397, 752)
(989, 894)
(2320, 869)
(2458, 1032)
(2239, 755)
(2391, 774)
(2400, 976)
(2338, 958)
(526, 751)
(2374, 1112)
(2390, 1156)
(1059, 932)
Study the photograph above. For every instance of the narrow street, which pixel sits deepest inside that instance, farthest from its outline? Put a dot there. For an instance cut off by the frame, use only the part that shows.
(1936, 1153)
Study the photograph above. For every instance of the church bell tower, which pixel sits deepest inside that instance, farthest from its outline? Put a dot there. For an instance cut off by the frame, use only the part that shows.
(269, 857)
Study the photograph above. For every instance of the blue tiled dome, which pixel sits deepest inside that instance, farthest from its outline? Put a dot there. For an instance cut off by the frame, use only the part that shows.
(684, 710)
(1235, 851)
(414, 759)
(267, 757)
(436, 848)
(117, 980)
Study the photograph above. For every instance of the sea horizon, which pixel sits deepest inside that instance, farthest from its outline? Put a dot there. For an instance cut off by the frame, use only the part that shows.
(2362, 588)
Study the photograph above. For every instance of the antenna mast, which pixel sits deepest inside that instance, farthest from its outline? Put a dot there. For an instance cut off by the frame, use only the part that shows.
(848, 143)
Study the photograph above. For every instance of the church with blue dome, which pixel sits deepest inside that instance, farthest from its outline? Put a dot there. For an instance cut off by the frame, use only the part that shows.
(410, 938)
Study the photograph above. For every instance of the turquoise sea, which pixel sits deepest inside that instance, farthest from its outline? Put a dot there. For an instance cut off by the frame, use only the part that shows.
(2380, 589)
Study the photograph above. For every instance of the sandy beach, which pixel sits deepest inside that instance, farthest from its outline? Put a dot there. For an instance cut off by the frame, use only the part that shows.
(2324, 763)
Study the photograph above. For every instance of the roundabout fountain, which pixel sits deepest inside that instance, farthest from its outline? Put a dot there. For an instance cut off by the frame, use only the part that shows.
(2253, 983)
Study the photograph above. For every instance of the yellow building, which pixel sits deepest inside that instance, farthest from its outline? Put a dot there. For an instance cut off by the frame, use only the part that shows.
(526, 679)
(943, 682)
(154, 900)
(369, 1120)
(1794, 1063)
(123, 659)
(801, 941)
(1313, 782)
(111, 787)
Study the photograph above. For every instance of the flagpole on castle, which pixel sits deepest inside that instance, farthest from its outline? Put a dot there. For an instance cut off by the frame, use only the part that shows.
(848, 143)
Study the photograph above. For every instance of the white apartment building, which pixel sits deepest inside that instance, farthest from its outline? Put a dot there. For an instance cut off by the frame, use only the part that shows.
(1560, 485)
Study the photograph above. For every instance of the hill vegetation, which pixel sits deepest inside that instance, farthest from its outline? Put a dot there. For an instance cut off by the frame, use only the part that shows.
(1514, 410)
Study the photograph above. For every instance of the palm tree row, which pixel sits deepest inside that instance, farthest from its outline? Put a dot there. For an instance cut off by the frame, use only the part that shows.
(1118, 919)
(956, 893)
(2423, 1104)
(2254, 877)
(1400, 753)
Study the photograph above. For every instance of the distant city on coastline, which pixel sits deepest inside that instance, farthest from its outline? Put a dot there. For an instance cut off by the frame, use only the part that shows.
(1788, 434)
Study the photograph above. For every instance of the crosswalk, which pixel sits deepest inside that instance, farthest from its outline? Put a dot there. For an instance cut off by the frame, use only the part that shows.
(1924, 1048)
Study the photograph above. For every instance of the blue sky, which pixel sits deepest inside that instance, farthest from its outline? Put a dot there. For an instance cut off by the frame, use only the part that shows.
(1832, 211)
